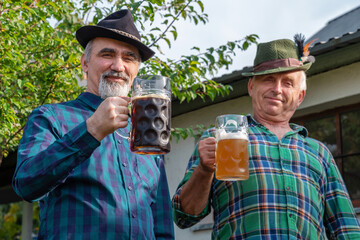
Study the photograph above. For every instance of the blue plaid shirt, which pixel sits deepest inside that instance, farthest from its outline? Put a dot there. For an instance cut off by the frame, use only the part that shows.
(89, 189)
(294, 191)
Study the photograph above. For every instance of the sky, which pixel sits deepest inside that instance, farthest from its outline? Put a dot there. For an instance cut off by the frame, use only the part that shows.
(231, 20)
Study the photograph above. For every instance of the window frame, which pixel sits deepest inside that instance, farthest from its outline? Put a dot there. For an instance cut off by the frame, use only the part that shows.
(337, 113)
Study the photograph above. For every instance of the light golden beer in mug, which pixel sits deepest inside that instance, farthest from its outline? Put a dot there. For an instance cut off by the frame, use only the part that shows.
(232, 157)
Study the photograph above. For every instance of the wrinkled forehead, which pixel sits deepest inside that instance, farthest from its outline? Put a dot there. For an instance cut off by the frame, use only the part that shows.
(295, 75)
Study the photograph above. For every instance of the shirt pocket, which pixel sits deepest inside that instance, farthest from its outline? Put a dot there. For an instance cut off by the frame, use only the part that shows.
(148, 174)
(314, 181)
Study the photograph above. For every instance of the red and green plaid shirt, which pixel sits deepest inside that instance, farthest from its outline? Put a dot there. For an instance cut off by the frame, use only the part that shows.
(294, 191)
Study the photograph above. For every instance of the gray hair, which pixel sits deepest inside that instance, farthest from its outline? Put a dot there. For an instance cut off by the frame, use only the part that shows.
(87, 51)
(303, 81)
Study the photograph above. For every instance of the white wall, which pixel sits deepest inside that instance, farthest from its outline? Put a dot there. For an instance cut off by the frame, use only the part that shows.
(332, 89)
(328, 90)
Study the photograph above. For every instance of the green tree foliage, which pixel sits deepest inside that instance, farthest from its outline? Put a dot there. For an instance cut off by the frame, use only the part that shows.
(38, 63)
(11, 218)
(10, 221)
(39, 55)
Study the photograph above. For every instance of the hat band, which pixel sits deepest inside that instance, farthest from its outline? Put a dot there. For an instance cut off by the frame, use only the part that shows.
(277, 63)
(125, 34)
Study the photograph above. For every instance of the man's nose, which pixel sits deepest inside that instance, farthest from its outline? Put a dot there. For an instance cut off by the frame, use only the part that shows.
(118, 65)
(277, 87)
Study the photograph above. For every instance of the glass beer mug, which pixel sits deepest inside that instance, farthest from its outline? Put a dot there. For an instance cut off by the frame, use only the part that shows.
(150, 115)
(231, 156)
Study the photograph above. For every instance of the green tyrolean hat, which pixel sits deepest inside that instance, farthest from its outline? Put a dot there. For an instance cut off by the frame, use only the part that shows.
(279, 56)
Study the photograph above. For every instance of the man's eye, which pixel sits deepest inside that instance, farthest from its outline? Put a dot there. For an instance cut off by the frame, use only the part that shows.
(129, 58)
(106, 55)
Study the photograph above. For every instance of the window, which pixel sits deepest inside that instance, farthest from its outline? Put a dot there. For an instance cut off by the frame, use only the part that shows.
(339, 130)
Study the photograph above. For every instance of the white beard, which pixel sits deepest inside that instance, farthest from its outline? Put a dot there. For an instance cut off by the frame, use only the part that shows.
(113, 89)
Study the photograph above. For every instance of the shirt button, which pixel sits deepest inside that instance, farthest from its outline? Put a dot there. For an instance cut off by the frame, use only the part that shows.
(290, 215)
(133, 215)
(124, 164)
(119, 141)
(288, 188)
(130, 188)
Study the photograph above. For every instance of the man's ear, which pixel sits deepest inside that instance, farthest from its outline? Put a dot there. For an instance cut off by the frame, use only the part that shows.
(84, 63)
(301, 97)
(250, 86)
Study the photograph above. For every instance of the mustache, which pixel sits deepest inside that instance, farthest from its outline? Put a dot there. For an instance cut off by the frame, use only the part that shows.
(113, 73)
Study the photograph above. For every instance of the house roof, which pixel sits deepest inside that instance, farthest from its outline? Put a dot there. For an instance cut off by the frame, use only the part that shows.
(347, 23)
(338, 45)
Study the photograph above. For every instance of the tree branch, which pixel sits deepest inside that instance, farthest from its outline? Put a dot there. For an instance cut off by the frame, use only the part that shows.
(161, 35)
(88, 14)
(48, 93)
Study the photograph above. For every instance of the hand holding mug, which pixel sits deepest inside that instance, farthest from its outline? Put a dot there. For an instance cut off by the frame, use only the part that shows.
(112, 113)
(207, 148)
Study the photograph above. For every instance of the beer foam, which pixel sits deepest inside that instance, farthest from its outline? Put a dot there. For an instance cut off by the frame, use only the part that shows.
(222, 134)
(152, 95)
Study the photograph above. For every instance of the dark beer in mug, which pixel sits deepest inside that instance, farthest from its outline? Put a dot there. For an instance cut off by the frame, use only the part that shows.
(151, 123)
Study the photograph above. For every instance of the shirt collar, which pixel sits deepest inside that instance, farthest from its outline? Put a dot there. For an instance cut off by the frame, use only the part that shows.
(299, 129)
(296, 128)
(90, 99)
(251, 120)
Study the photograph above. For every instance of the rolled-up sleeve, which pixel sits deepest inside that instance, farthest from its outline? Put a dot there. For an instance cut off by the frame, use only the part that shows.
(184, 220)
(181, 219)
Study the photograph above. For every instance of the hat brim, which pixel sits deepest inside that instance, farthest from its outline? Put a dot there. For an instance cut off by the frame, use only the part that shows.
(305, 67)
(87, 33)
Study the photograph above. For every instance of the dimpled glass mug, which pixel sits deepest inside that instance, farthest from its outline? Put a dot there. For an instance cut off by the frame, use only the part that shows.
(232, 156)
(150, 115)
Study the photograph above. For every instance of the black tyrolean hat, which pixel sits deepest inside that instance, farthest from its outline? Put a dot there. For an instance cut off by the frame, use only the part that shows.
(118, 25)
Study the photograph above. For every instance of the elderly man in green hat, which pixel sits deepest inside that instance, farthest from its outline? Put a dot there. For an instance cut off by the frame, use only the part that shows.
(294, 189)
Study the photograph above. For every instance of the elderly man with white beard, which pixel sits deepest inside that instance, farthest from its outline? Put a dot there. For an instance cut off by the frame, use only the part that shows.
(88, 182)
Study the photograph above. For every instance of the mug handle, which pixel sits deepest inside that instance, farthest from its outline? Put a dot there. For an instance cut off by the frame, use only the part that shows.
(231, 121)
(122, 134)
